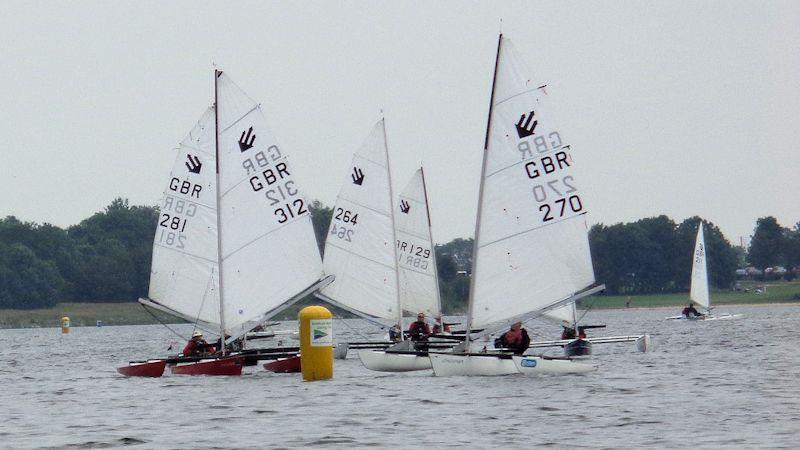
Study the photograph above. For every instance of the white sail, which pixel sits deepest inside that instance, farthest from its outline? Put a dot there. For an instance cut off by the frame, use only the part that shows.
(359, 249)
(268, 248)
(183, 278)
(532, 246)
(699, 289)
(565, 313)
(419, 290)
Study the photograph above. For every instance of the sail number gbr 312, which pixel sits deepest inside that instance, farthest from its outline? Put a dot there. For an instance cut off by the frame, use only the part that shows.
(276, 183)
(554, 189)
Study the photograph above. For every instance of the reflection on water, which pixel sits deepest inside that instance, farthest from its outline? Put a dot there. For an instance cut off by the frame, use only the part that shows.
(705, 384)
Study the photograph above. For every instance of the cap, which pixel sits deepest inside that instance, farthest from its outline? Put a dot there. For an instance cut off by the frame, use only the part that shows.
(197, 334)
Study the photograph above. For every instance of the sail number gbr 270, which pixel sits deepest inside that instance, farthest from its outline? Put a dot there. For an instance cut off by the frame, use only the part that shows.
(554, 189)
(343, 223)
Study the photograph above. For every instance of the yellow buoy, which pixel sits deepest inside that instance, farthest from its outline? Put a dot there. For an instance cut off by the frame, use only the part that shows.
(64, 325)
(316, 343)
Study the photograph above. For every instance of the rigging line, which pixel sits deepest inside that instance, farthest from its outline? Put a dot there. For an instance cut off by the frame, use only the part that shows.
(210, 281)
(162, 323)
(360, 334)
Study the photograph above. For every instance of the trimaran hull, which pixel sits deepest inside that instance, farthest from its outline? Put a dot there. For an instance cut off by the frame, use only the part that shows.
(476, 364)
(231, 366)
(707, 317)
(382, 361)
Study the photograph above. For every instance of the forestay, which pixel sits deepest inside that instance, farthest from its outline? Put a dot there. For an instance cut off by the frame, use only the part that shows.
(184, 272)
(359, 249)
(268, 248)
(419, 290)
(532, 247)
(699, 289)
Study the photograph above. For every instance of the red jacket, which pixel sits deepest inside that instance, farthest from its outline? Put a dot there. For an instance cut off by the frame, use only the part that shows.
(418, 330)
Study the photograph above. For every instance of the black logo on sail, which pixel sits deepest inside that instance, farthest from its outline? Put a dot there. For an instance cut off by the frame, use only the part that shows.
(246, 142)
(404, 206)
(527, 129)
(357, 176)
(194, 165)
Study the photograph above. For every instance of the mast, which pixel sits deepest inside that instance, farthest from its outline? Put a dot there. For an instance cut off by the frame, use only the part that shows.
(394, 231)
(433, 246)
(480, 200)
(217, 74)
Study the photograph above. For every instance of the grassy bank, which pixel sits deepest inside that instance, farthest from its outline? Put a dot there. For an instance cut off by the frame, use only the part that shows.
(782, 292)
(87, 314)
(81, 314)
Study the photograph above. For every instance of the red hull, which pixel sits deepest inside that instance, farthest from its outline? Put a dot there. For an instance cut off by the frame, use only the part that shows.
(222, 366)
(146, 369)
(288, 365)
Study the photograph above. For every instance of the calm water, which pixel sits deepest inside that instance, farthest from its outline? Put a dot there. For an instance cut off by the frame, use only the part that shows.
(713, 384)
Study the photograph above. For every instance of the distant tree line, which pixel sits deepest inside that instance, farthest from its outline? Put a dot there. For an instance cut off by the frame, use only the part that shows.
(106, 258)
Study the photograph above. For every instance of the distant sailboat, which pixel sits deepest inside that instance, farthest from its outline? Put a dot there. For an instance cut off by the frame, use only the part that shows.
(698, 292)
(234, 244)
(531, 250)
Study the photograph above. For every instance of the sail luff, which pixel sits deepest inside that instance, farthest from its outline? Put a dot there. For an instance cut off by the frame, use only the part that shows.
(394, 229)
(433, 246)
(217, 73)
(471, 302)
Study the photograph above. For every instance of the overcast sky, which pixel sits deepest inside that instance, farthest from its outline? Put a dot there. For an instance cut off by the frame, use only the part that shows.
(680, 108)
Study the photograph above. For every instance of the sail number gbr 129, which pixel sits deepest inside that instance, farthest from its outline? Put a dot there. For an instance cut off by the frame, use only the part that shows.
(554, 189)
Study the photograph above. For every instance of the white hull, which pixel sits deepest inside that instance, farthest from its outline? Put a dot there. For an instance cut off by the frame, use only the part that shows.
(707, 318)
(534, 365)
(393, 362)
(448, 365)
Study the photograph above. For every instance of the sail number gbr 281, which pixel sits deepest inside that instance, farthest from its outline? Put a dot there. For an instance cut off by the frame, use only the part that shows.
(553, 188)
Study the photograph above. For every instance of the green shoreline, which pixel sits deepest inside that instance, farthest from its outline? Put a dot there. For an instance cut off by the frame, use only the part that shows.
(132, 313)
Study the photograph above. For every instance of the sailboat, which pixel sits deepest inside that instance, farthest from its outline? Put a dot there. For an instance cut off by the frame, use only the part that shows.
(567, 317)
(234, 244)
(531, 248)
(418, 276)
(698, 292)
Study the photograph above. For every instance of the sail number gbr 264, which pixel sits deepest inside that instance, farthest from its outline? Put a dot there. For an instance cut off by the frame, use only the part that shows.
(554, 188)
(343, 224)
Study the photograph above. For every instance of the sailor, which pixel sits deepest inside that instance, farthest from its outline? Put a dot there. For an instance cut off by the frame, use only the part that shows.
(437, 327)
(568, 332)
(419, 330)
(689, 311)
(196, 346)
(394, 333)
(516, 339)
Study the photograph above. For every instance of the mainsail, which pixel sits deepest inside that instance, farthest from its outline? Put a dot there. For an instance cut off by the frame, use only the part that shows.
(184, 270)
(256, 227)
(699, 289)
(360, 247)
(531, 242)
(565, 313)
(419, 287)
